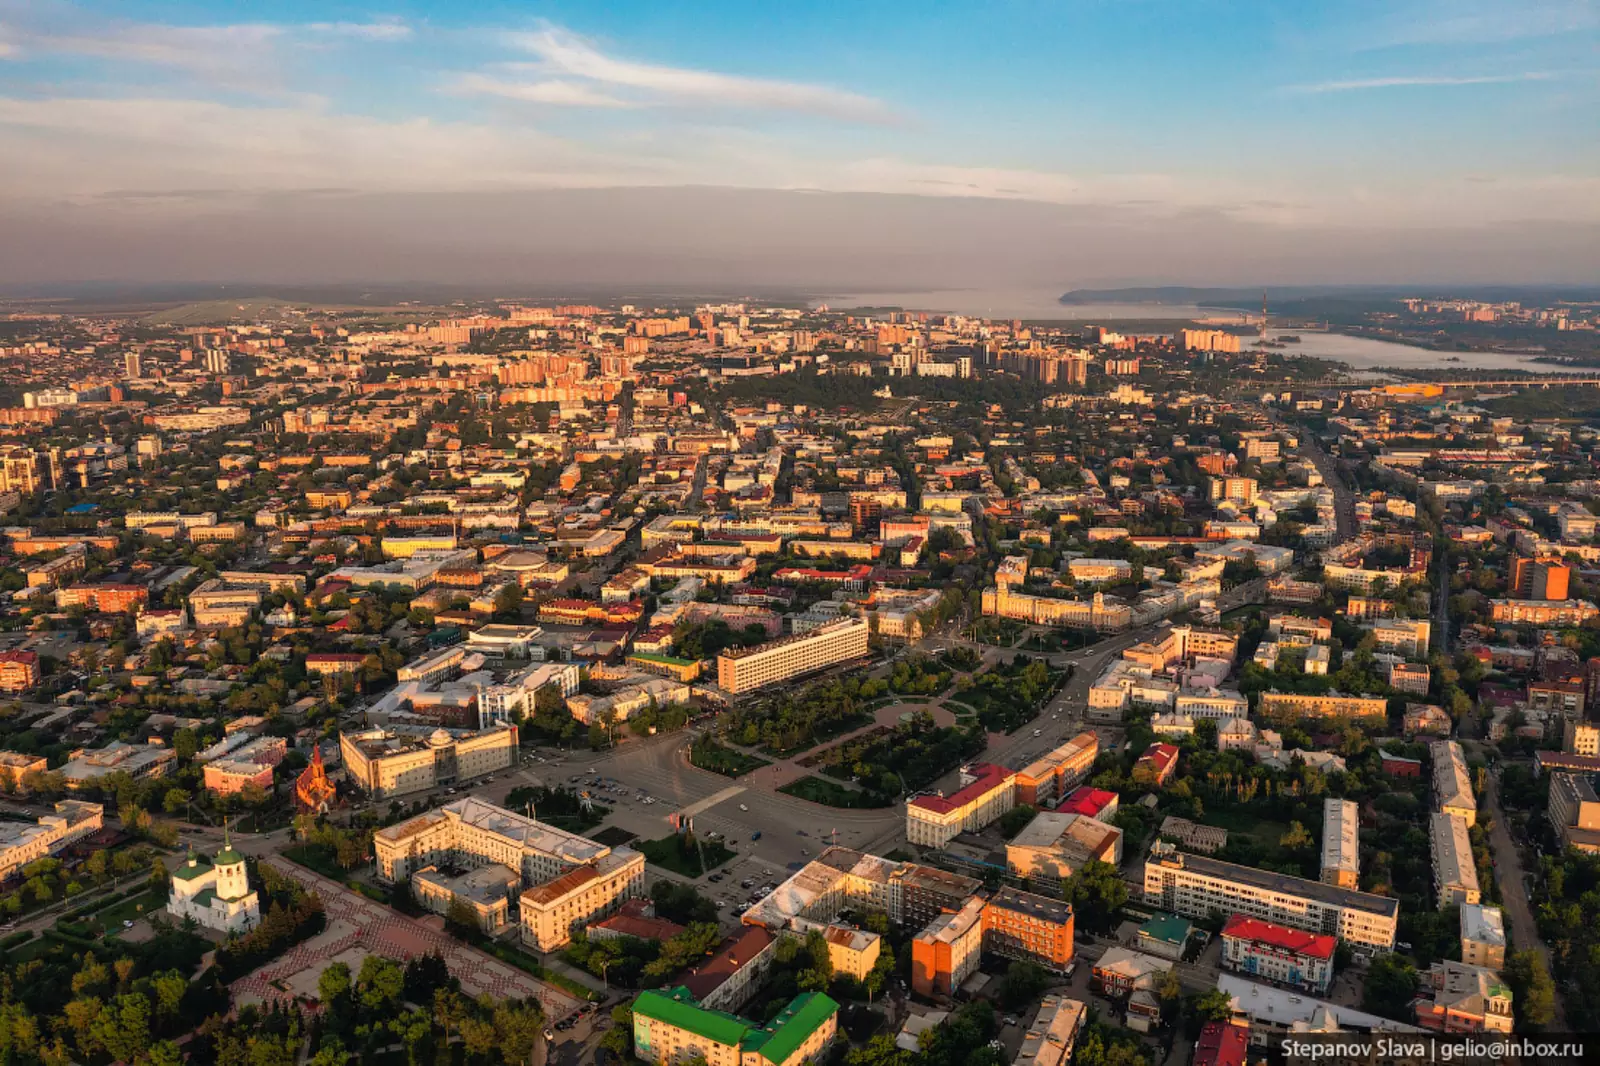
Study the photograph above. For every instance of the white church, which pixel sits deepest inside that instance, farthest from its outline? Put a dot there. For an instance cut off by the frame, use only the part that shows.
(215, 894)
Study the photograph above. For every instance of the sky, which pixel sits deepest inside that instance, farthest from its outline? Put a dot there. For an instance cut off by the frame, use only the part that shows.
(1004, 143)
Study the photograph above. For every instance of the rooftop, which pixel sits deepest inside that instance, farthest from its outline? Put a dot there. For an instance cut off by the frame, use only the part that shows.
(988, 778)
(1282, 937)
(1328, 895)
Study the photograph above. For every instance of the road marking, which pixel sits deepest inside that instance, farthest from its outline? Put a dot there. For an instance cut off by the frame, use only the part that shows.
(711, 801)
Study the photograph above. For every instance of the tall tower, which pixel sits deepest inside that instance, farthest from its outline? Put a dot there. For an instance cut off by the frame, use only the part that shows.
(232, 881)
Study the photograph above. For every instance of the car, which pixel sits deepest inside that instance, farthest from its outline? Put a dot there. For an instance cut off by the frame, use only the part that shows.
(755, 836)
(742, 807)
(1038, 732)
(549, 1034)
(747, 884)
(127, 924)
(714, 877)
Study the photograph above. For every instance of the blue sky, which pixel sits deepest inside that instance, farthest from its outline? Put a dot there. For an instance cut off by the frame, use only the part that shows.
(1403, 113)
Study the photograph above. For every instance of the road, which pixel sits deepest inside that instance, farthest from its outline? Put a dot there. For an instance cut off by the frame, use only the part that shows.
(1514, 890)
(1344, 504)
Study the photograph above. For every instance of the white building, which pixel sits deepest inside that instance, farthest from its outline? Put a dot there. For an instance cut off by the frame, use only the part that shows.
(216, 894)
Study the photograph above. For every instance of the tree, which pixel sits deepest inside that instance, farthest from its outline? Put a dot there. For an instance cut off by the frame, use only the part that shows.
(1391, 985)
(380, 982)
(333, 984)
(518, 1027)
(1096, 891)
(1016, 820)
(175, 800)
(1296, 838)
(1533, 992)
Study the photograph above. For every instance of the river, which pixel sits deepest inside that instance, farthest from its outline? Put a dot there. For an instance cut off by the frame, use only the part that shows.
(1358, 353)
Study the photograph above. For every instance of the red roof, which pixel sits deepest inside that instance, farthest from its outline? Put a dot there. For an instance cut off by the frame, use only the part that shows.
(1089, 801)
(1221, 1044)
(989, 777)
(27, 658)
(1315, 945)
(1161, 755)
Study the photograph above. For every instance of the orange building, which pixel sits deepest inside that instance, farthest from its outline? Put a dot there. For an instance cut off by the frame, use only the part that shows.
(1027, 926)
(113, 599)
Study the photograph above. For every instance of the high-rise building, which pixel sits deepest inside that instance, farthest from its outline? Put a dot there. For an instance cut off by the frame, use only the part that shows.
(216, 361)
(132, 365)
(19, 470)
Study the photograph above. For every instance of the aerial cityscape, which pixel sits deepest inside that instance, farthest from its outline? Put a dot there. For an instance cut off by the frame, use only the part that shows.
(465, 606)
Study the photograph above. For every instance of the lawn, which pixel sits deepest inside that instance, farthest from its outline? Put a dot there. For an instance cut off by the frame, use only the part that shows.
(129, 910)
(707, 754)
(317, 858)
(669, 854)
(829, 794)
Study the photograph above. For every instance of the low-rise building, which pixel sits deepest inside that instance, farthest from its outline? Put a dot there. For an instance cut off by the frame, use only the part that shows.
(487, 891)
(1483, 936)
(987, 791)
(1047, 779)
(86, 766)
(1055, 844)
(1452, 785)
(22, 843)
(1277, 953)
(1051, 1038)
(1341, 858)
(1574, 811)
(1465, 999)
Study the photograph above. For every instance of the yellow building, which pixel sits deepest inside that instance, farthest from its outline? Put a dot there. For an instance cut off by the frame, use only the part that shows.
(987, 792)
(394, 762)
(752, 668)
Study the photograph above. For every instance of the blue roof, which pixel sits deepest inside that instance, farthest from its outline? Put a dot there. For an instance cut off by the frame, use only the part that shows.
(83, 508)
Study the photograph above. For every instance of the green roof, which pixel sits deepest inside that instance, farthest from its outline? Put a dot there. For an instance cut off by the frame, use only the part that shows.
(189, 873)
(227, 857)
(802, 1017)
(1168, 928)
(679, 1009)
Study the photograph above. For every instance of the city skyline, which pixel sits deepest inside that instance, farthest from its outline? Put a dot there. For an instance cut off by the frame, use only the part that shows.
(1083, 144)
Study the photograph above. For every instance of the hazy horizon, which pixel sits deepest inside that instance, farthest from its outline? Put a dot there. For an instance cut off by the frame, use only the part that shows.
(1042, 146)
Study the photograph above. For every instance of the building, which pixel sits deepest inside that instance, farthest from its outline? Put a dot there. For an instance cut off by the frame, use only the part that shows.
(1452, 785)
(728, 978)
(1194, 886)
(22, 843)
(748, 669)
(1165, 936)
(1055, 844)
(216, 894)
(1455, 874)
(1542, 612)
(1289, 706)
(1222, 1044)
(1156, 766)
(112, 599)
(1540, 579)
(217, 603)
(1097, 613)
(987, 791)
(19, 470)
(19, 670)
(14, 766)
(669, 1026)
(246, 764)
(1483, 936)
(948, 950)
(1465, 999)
(1122, 970)
(1403, 636)
(571, 880)
(399, 760)
(86, 766)
(1574, 811)
(1029, 927)
(486, 891)
(1272, 952)
(1192, 836)
(1341, 858)
(1578, 738)
(1045, 780)
(1050, 1039)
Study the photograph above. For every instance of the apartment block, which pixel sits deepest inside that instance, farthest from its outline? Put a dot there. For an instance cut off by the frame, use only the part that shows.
(948, 951)
(749, 669)
(1195, 886)
(1452, 784)
(1455, 875)
(1286, 706)
(1341, 857)
(669, 1027)
(1483, 936)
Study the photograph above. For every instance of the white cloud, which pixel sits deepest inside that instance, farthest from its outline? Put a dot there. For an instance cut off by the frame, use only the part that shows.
(565, 54)
(1475, 22)
(386, 29)
(1422, 81)
(555, 92)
